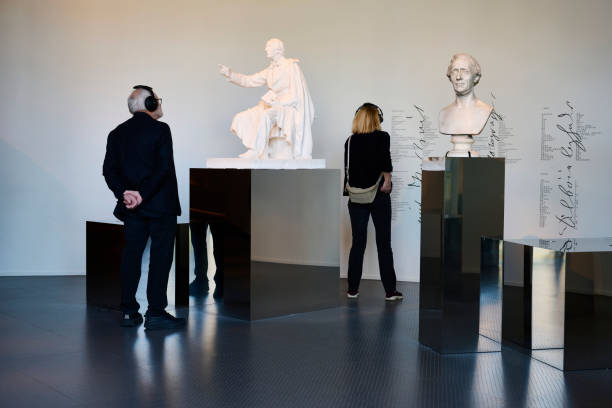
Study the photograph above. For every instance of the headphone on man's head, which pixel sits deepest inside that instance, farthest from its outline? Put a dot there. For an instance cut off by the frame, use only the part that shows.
(151, 103)
(371, 105)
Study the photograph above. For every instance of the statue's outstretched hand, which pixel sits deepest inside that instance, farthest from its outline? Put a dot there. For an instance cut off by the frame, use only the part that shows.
(225, 71)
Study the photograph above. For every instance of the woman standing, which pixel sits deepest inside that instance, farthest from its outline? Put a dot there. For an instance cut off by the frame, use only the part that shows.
(367, 163)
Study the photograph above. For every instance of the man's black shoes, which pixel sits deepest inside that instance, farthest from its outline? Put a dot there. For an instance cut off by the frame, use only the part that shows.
(153, 322)
(163, 321)
(130, 319)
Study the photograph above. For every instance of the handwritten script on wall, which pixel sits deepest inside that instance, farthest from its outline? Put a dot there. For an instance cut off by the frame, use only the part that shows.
(564, 142)
(413, 137)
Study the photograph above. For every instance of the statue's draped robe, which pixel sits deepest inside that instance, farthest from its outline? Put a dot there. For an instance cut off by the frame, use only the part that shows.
(285, 111)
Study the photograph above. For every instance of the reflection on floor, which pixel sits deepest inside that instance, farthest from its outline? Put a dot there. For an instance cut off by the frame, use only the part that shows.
(55, 352)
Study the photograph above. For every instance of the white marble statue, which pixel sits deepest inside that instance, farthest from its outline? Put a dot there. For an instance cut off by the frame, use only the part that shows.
(468, 115)
(278, 127)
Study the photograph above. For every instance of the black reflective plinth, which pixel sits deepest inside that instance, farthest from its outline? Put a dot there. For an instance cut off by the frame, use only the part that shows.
(103, 249)
(276, 237)
(459, 206)
(557, 302)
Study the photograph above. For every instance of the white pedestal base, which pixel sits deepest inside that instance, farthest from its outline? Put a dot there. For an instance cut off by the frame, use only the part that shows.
(462, 146)
(236, 163)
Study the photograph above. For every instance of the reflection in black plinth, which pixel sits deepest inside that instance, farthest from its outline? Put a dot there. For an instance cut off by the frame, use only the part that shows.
(224, 198)
(557, 303)
(516, 309)
(458, 207)
(588, 310)
(491, 278)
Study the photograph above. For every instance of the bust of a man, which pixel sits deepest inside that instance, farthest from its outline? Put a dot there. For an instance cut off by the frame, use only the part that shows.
(467, 115)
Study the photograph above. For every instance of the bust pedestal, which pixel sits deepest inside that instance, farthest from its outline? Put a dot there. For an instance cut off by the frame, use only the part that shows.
(462, 146)
(460, 203)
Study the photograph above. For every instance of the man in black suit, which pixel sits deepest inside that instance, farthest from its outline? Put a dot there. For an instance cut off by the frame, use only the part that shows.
(139, 170)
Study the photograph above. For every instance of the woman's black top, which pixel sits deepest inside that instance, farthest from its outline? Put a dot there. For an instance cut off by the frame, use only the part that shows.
(370, 155)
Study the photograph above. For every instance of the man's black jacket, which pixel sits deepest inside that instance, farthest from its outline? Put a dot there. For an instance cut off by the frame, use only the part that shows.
(139, 157)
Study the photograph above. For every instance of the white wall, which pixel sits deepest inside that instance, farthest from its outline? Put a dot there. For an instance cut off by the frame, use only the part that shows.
(67, 66)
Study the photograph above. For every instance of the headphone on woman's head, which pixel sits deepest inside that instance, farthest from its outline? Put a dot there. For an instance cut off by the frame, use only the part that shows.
(371, 105)
(151, 103)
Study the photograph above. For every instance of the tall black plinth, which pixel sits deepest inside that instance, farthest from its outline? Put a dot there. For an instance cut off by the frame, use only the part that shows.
(276, 237)
(459, 205)
(104, 245)
(557, 301)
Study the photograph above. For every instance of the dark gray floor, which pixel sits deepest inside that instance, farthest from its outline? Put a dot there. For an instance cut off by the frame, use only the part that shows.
(55, 352)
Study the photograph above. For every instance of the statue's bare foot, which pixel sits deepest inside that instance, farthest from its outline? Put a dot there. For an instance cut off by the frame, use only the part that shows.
(249, 154)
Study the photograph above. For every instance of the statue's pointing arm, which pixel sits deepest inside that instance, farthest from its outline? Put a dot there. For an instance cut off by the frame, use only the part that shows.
(247, 81)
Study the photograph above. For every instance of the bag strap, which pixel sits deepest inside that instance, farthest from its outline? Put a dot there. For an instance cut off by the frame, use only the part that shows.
(348, 158)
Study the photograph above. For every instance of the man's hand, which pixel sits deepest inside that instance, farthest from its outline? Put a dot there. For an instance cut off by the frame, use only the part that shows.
(225, 71)
(131, 199)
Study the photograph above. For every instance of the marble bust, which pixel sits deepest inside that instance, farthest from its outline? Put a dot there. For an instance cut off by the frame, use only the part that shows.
(467, 115)
(279, 126)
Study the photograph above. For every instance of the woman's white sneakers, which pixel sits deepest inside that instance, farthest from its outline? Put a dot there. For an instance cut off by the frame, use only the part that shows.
(394, 296)
(389, 296)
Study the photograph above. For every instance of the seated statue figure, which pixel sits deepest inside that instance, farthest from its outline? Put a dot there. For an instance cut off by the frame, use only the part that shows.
(278, 127)
(467, 115)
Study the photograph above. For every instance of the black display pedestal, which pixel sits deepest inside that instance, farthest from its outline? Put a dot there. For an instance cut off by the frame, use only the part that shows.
(276, 235)
(557, 301)
(459, 205)
(104, 245)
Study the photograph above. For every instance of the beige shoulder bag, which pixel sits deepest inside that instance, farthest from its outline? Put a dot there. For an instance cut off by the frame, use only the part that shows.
(359, 195)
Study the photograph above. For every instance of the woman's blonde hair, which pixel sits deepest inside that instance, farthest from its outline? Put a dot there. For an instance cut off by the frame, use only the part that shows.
(366, 119)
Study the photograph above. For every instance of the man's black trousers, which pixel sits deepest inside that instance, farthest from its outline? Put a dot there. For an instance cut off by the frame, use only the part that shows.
(138, 229)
